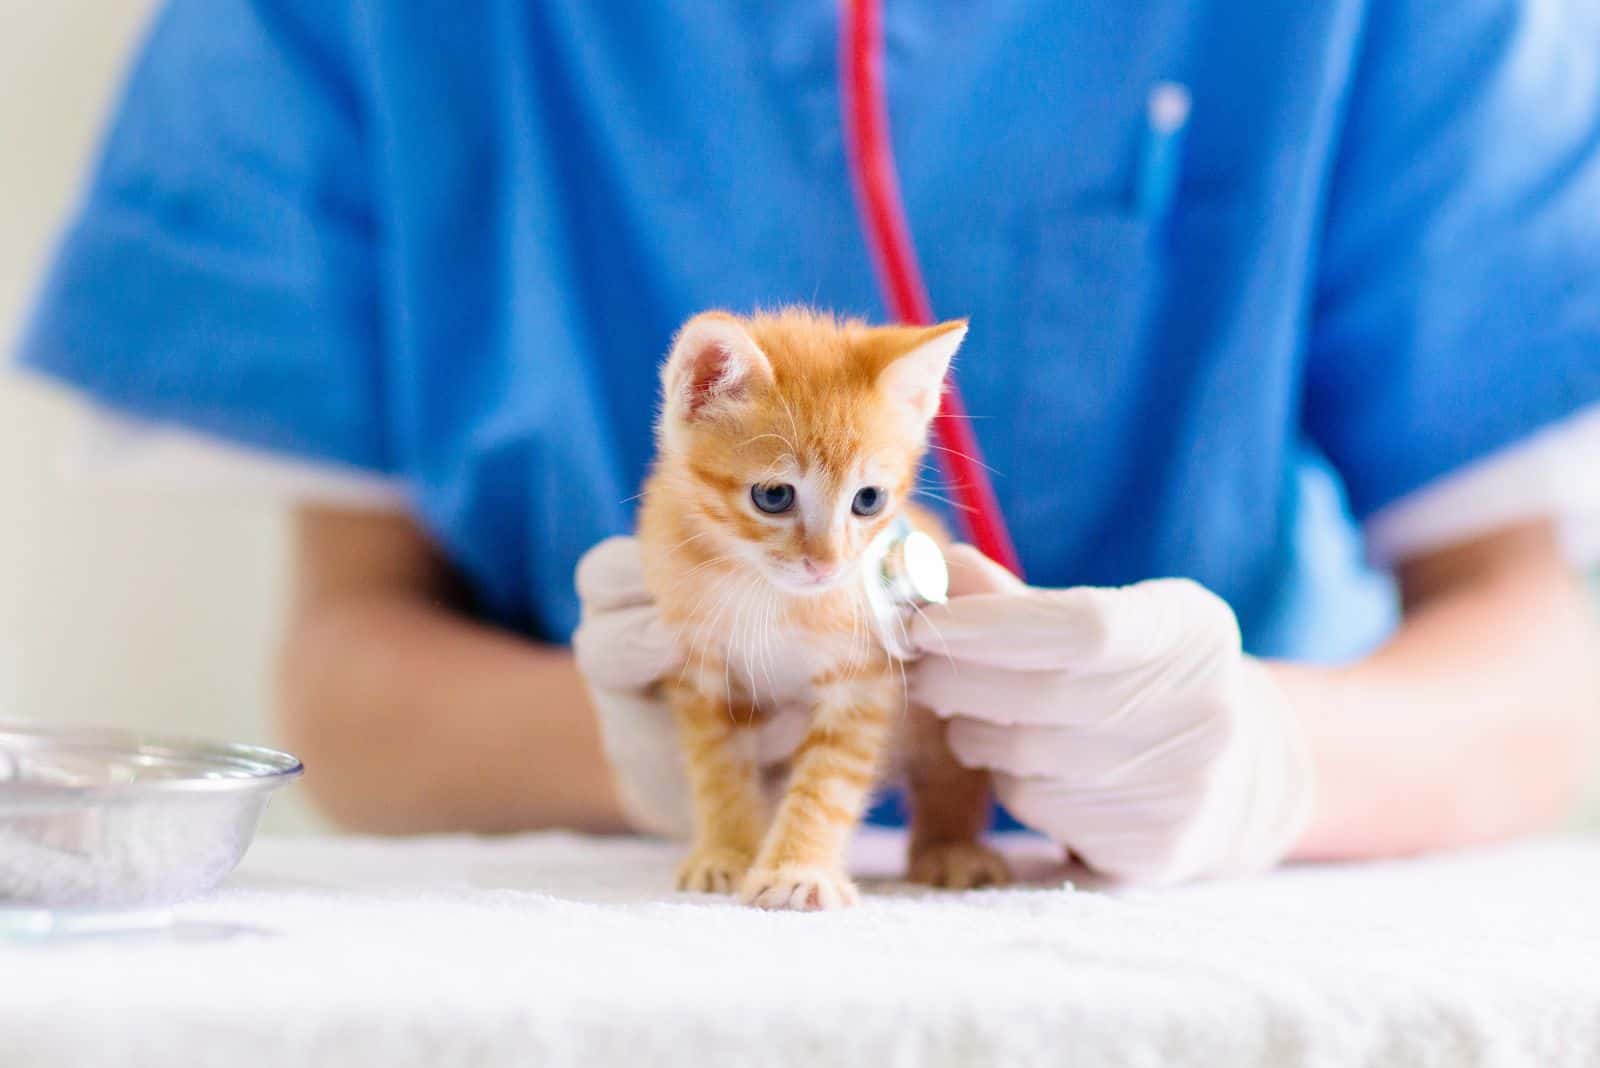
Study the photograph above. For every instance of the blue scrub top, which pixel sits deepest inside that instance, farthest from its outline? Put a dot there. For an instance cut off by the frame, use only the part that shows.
(450, 242)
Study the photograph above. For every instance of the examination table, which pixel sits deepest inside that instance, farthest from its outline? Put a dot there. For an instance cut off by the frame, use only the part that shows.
(558, 949)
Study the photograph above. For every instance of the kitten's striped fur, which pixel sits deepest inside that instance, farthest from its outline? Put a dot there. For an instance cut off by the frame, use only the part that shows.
(800, 398)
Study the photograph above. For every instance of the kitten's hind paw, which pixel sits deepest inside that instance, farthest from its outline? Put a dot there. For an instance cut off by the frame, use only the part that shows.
(798, 889)
(959, 866)
(713, 871)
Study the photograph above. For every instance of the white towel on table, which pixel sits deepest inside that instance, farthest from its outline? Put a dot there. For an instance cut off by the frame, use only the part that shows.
(563, 950)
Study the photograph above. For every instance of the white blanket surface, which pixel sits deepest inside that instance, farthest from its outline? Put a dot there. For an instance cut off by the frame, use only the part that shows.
(559, 950)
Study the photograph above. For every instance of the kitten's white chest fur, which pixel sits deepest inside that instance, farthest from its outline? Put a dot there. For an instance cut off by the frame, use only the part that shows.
(765, 657)
(774, 665)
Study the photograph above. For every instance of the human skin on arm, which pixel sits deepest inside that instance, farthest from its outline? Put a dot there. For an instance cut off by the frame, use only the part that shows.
(1479, 718)
(411, 717)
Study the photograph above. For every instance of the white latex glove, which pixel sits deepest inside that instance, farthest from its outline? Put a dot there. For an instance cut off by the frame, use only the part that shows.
(623, 650)
(1126, 724)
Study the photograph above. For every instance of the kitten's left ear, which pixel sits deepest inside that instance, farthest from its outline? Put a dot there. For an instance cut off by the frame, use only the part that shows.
(714, 366)
(913, 375)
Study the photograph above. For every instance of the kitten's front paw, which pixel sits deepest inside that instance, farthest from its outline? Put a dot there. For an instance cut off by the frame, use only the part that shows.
(713, 871)
(959, 866)
(797, 888)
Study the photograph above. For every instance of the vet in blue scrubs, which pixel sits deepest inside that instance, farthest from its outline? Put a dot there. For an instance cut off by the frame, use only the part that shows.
(450, 242)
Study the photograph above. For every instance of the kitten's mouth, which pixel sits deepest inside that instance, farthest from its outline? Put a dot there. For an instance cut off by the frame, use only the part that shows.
(802, 584)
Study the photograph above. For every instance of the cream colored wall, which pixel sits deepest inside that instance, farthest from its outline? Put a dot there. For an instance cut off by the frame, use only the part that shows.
(115, 606)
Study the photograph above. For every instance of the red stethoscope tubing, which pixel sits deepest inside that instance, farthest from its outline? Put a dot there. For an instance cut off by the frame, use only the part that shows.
(883, 217)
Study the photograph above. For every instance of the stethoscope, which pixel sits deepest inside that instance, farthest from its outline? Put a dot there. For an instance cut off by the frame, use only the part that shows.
(904, 569)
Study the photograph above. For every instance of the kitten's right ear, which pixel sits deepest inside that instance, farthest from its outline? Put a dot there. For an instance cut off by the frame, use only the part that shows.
(713, 367)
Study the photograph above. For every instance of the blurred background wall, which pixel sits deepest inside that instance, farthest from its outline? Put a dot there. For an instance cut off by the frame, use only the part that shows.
(116, 606)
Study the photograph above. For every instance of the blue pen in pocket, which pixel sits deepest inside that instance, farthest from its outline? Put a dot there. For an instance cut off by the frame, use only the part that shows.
(1161, 150)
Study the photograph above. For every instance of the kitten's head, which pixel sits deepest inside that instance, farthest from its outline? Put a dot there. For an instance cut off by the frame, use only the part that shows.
(793, 438)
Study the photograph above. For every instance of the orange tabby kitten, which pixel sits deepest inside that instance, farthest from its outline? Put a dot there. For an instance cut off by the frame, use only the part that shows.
(786, 443)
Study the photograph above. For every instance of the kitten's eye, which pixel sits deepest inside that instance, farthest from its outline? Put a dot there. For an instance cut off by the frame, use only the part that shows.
(774, 499)
(869, 501)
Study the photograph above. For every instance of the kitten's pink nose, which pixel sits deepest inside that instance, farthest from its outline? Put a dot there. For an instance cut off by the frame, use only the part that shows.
(820, 572)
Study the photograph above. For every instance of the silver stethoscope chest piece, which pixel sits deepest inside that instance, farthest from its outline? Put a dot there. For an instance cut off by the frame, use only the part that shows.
(903, 571)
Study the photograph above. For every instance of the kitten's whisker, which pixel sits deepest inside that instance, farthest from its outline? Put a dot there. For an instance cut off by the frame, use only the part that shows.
(763, 627)
(687, 575)
(727, 661)
(721, 558)
(697, 643)
(863, 638)
(769, 434)
(697, 618)
(692, 537)
(746, 640)
(965, 456)
(758, 633)
(794, 427)
(905, 686)
(945, 646)
(725, 598)
(694, 617)
(941, 497)
(735, 601)
(769, 621)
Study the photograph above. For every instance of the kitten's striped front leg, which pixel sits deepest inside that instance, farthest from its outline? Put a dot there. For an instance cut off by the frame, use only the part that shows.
(801, 864)
(729, 810)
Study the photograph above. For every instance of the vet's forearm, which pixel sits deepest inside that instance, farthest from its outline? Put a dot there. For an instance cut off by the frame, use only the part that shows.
(1476, 721)
(411, 718)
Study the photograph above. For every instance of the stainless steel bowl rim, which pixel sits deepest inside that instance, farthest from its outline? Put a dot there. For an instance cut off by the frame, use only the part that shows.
(239, 768)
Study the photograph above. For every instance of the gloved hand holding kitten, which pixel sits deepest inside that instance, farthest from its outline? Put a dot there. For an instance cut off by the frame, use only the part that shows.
(1126, 724)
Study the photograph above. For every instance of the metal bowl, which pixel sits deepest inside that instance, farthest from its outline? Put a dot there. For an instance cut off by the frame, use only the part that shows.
(113, 819)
